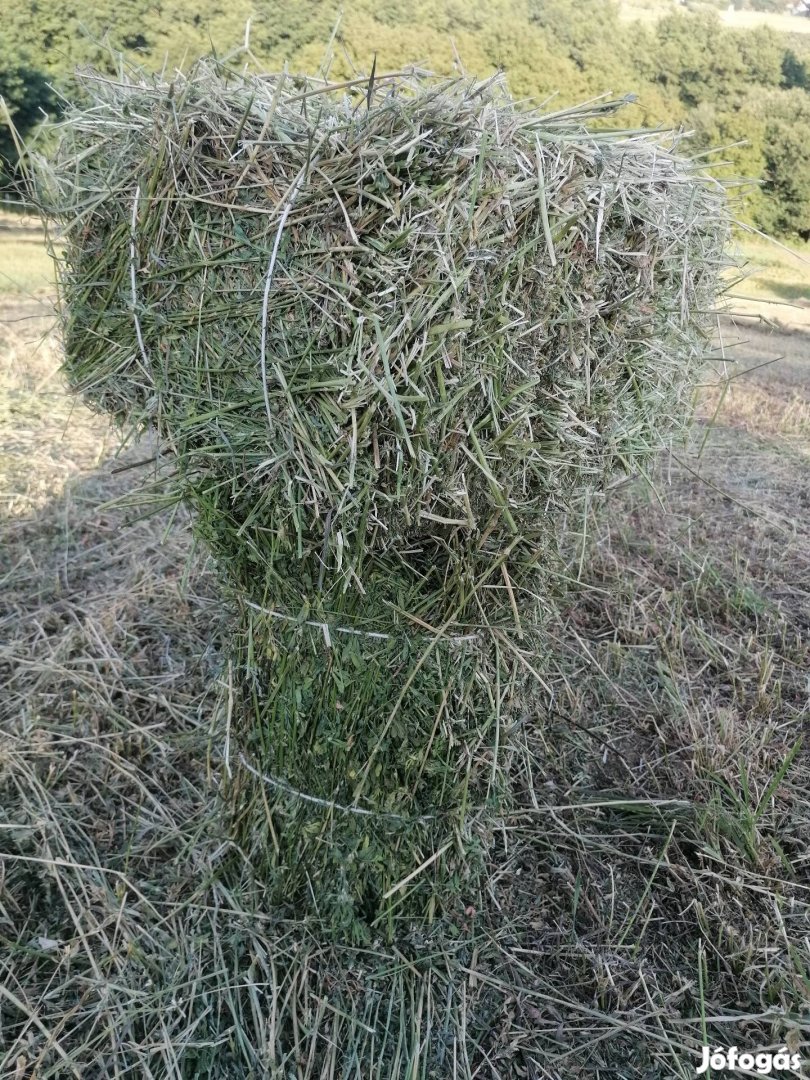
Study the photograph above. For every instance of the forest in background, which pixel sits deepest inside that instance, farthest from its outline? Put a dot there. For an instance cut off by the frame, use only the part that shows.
(746, 92)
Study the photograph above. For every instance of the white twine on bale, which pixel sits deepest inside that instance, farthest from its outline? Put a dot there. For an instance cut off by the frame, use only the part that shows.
(326, 629)
(133, 259)
(288, 789)
(266, 298)
(288, 200)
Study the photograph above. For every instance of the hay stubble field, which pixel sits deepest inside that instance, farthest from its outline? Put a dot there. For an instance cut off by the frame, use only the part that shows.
(653, 891)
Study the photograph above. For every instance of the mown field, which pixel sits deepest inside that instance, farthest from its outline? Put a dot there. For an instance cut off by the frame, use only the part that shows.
(652, 893)
(732, 16)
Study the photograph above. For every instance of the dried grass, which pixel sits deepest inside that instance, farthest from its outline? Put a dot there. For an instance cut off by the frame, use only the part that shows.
(387, 335)
(648, 893)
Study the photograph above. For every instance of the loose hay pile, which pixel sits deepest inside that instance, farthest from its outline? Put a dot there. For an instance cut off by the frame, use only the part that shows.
(389, 335)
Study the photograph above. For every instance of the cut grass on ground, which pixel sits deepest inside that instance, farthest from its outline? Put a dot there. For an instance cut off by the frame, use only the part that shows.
(25, 265)
(651, 891)
(776, 273)
(775, 287)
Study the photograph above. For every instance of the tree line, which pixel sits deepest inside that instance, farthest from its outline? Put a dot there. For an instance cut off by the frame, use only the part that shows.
(745, 91)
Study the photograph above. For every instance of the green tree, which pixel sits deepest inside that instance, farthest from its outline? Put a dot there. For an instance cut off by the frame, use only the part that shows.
(27, 98)
(795, 71)
(786, 117)
(697, 58)
(735, 140)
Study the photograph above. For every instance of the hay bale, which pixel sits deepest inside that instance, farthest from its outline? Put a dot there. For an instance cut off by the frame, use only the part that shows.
(387, 335)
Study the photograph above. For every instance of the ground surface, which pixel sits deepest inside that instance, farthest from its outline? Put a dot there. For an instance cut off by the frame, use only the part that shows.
(650, 893)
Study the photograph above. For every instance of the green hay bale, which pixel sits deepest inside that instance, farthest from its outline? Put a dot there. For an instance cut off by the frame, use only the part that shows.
(388, 336)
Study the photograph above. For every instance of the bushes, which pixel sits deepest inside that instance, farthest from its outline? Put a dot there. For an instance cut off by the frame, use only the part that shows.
(27, 98)
(786, 119)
